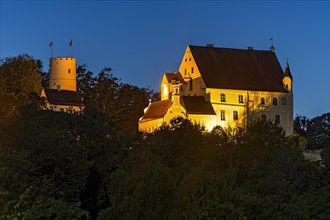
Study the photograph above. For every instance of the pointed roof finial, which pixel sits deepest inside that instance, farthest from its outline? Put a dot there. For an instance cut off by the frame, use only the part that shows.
(272, 48)
(287, 72)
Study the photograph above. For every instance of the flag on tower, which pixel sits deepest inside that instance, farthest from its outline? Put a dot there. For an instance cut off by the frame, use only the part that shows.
(70, 44)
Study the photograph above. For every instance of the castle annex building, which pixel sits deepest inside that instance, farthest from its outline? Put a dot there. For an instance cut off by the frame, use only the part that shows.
(226, 87)
(61, 95)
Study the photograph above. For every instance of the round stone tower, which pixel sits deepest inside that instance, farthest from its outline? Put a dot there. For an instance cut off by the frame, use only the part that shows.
(62, 74)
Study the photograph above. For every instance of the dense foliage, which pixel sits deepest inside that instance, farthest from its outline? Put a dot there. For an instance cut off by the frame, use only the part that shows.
(94, 165)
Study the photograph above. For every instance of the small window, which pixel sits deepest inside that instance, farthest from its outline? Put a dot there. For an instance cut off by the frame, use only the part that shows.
(275, 101)
(185, 71)
(190, 85)
(61, 109)
(190, 59)
(69, 70)
(192, 69)
(286, 86)
(263, 117)
(222, 115)
(277, 119)
(235, 115)
(223, 97)
(262, 101)
(185, 60)
(240, 98)
(283, 101)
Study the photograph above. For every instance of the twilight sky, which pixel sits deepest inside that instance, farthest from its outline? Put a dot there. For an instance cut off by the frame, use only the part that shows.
(140, 40)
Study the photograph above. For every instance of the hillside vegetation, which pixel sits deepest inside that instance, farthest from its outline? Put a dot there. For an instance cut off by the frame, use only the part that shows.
(96, 165)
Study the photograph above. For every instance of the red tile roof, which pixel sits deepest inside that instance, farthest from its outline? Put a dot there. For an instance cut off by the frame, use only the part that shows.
(63, 97)
(239, 69)
(157, 110)
(174, 76)
(197, 105)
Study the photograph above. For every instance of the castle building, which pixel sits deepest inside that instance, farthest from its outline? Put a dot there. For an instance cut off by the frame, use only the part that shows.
(225, 87)
(61, 94)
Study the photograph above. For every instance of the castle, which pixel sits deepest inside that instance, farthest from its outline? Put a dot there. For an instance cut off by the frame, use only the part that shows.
(225, 87)
(61, 94)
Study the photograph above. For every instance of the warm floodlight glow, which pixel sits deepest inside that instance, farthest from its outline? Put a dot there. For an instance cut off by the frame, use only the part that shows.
(165, 91)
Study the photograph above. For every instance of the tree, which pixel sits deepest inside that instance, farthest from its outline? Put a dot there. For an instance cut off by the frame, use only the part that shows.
(318, 132)
(20, 81)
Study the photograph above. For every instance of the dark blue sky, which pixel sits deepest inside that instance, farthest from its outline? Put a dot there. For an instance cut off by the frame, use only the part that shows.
(140, 40)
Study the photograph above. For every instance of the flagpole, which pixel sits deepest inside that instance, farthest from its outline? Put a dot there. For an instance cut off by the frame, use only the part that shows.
(52, 50)
(70, 44)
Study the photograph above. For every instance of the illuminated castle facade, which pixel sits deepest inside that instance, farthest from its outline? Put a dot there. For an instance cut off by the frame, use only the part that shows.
(61, 94)
(226, 87)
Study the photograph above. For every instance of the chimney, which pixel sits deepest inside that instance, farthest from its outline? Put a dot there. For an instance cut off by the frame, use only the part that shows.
(250, 48)
(210, 45)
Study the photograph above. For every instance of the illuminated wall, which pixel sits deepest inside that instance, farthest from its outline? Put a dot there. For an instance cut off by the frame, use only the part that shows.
(194, 84)
(232, 107)
(62, 74)
(150, 125)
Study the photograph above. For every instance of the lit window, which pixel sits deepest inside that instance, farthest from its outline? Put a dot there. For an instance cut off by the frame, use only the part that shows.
(235, 115)
(263, 101)
(61, 109)
(223, 97)
(240, 98)
(283, 101)
(275, 101)
(263, 117)
(277, 119)
(222, 115)
(192, 69)
(69, 70)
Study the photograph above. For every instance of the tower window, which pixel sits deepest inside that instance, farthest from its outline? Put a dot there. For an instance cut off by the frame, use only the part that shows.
(223, 115)
(286, 86)
(277, 119)
(283, 101)
(262, 101)
(223, 97)
(192, 69)
(190, 85)
(235, 115)
(275, 102)
(240, 98)
(69, 70)
(185, 71)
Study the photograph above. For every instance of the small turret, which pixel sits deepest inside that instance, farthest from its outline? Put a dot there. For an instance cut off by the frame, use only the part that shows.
(287, 77)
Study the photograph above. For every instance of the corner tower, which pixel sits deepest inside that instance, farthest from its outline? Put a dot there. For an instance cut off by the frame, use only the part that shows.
(287, 77)
(62, 73)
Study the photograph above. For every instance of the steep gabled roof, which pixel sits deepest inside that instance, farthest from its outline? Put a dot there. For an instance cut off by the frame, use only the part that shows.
(239, 69)
(197, 105)
(63, 97)
(157, 110)
(174, 76)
